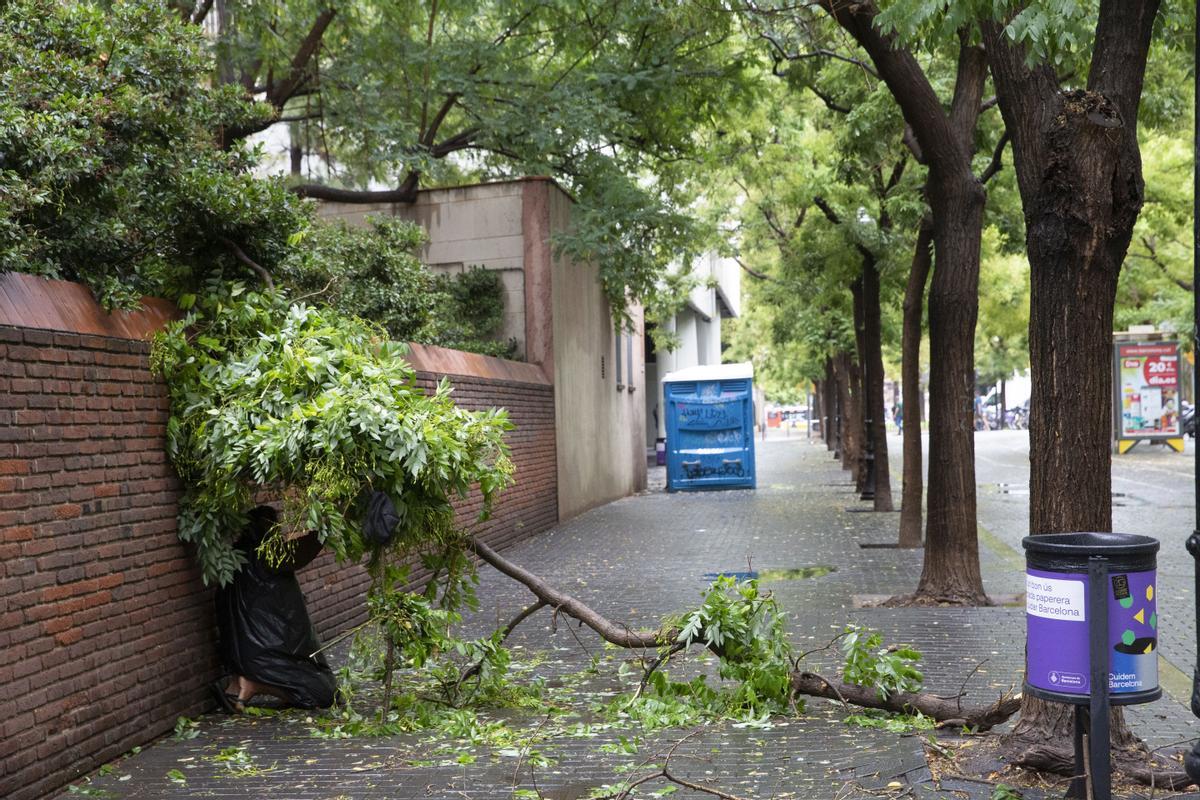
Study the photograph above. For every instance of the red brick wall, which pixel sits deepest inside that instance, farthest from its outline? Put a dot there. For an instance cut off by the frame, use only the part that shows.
(106, 633)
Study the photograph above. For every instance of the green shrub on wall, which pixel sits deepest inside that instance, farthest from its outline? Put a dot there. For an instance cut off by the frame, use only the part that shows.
(372, 273)
(469, 313)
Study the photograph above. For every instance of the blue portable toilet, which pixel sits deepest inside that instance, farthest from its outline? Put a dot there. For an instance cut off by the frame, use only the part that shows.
(710, 427)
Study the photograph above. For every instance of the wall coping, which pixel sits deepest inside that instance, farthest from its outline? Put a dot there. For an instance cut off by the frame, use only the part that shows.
(444, 361)
(30, 301)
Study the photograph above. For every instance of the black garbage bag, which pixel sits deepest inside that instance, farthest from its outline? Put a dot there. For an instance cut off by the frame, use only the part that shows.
(381, 519)
(265, 632)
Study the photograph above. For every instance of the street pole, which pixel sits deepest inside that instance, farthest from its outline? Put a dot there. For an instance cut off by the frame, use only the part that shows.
(1192, 760)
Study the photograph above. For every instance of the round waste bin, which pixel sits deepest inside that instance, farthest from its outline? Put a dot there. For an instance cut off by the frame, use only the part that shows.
(1057, 662)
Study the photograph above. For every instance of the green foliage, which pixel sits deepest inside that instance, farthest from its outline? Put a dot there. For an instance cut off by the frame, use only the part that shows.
(372, 273)
(892, 723)
(1002, 331)
(1054, 31)
(1157, 274)
(110, 173)
(468, 312)
(319, 409)
(1005, 792)
(745, 629)
(868, 663)
(186, 729)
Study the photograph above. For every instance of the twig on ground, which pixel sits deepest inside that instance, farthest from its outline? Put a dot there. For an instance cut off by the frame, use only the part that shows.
(524, 750)
(512, 624)
(658, 662)
(963, 688)
(665, 773)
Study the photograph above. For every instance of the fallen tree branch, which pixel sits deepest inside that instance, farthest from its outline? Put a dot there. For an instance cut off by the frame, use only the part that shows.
(627, 791)
(609, 631)
(945, 710)
(942, 710)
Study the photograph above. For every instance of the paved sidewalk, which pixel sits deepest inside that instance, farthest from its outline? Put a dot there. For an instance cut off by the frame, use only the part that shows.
(637, 560)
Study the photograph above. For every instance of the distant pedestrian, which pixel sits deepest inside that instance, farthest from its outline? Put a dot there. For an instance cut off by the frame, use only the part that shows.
(898, 416)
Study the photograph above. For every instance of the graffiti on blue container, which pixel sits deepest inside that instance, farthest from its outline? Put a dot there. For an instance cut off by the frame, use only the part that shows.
(708, 416)
(693, 470)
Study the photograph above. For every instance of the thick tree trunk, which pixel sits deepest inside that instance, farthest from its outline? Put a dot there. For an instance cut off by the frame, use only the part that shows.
(1079, 171)
(1078, 232)
(946, 142)
(877, 411)
(951, 570)
(912, 499)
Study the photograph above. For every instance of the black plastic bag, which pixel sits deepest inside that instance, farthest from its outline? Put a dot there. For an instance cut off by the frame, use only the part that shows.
(265, 632)
(381, 519)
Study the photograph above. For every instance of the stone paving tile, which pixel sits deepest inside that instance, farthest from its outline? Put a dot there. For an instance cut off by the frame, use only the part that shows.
(638, 560)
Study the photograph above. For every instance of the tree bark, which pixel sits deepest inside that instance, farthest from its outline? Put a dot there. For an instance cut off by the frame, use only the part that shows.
(816, 406)
(851, 423)
(861, 407)
(912, 497)
(1078, 168)
(1003, 405)
(951, 565)
(873, 342)
(951, 571)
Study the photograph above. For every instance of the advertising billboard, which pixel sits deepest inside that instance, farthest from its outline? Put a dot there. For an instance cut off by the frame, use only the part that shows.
(1147, 377)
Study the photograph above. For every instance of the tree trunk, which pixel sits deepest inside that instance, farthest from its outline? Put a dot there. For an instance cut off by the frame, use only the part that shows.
(849, 439)
(816, 406)
(877, 410)
(946, 143)
(828, 405)
(912, 499)
(861, 409)
(1078, 167)
(1003, 405)
(951, 571)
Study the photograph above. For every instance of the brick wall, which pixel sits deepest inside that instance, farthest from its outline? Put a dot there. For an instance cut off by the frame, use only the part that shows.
(106, 633)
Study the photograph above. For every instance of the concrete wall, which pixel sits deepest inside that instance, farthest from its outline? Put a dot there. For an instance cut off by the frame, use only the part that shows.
(556, 311)
(471, 226)
(601, 453)
(106, 631)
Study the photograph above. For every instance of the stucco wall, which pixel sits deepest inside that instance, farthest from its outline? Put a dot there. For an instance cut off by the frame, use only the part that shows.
(470, 226)
(600, 429)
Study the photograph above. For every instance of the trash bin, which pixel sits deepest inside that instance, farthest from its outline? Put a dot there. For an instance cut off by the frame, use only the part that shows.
(710, 427)
(1060, 570)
